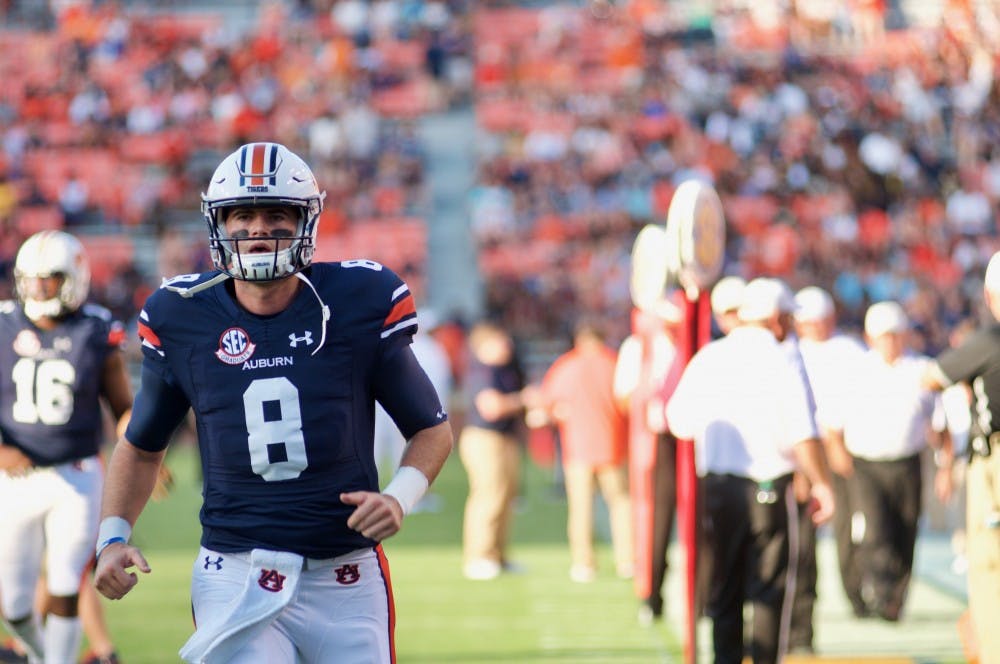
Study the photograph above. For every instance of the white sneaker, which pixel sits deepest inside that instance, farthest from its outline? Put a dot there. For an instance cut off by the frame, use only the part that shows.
(582, 574)
(482, 569)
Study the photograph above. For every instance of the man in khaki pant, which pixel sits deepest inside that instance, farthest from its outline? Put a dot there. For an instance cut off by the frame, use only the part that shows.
(976, 362)
(577, 392)
(490, 451)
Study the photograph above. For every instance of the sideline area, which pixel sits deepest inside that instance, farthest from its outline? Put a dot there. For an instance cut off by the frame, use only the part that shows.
(926, 634)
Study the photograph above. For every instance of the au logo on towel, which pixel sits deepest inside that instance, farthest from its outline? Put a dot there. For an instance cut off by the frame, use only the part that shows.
(271, 581)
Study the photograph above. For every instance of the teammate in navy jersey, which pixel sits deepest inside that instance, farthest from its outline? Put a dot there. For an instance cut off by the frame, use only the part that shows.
(282, 361)
(59, 358)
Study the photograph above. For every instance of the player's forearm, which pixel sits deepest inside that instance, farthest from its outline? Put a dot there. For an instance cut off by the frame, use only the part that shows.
(130, 480)
(809, 454)
(428, 450)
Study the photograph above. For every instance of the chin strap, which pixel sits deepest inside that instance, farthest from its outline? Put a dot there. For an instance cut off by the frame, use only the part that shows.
(189, 292)
(325, 309)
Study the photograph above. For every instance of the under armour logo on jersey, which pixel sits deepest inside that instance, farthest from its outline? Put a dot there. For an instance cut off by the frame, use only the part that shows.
(293, 340)
(217, 563)
(347, 574)
(271, 581)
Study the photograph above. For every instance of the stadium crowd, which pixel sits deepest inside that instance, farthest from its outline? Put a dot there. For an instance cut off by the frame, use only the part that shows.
(110, 115)
(862, 162)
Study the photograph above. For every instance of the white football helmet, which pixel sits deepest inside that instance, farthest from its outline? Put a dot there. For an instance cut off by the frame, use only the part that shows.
(46, 254)
(262, 174)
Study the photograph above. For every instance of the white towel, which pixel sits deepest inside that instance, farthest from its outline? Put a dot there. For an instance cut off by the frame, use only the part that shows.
(219, 637)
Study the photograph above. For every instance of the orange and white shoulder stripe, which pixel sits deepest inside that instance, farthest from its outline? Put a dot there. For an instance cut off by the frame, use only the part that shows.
(403, 313)
(146, 334)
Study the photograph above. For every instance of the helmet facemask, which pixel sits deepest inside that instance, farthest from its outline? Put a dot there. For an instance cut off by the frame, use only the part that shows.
(242, 257)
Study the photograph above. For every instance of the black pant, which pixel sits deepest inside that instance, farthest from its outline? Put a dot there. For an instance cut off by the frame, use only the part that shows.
(847, 554)
(664, 512)
(888, 493)
(804, 599)
(749, 544)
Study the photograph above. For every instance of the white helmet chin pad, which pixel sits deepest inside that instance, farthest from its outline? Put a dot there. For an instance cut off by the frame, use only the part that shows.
(46, 254)
(262, 174)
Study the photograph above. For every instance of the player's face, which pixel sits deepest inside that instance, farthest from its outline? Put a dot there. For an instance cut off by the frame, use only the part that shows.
(264, 223)
(889, 345)
(44, 287)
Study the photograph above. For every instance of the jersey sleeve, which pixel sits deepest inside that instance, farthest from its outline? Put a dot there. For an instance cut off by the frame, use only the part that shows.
(969, 360)
(407, 394)
(400, 321)
(154, 355)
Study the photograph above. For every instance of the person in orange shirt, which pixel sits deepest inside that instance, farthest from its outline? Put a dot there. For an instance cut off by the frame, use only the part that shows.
(576, 394)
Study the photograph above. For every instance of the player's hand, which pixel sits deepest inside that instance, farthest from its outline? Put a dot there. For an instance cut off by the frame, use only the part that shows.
(377, 515)
(111, 577)
(13, 461)
(822, 504)
(944, 484)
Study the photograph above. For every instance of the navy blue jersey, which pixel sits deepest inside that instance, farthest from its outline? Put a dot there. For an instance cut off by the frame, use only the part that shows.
(50, 382)
(284, 408)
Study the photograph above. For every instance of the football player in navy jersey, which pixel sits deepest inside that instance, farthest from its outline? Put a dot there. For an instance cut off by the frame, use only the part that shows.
(282, 361)
(59, 358)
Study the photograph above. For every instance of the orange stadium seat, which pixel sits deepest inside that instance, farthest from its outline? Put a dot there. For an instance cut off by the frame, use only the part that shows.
(401, 101)
(30, 220)
(109, 254)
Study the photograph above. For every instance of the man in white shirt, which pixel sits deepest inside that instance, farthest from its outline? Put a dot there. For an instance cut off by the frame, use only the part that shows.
(883, 423)
(828, 356)
(748, 412)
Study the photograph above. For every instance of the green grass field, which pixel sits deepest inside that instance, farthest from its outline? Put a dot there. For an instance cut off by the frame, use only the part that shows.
(536, 616)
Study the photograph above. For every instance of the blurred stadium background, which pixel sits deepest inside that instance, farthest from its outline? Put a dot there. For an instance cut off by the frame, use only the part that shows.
(501, 156)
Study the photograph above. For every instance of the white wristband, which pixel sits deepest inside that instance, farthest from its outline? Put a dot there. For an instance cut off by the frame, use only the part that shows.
(408, 486)
(113, 529)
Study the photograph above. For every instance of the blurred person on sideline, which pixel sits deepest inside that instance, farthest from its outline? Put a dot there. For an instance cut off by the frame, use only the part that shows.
(646, 371)
(577, 394)
(976, 363)
(800, 635)
(827, 357)
(879, 430)
(490, 449)
(725, 299)
(748, 411)
(62, 357)
(282, 360)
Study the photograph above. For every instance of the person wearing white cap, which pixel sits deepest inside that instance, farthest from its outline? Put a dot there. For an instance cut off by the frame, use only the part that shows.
(828, 356)
(726, 297)
(748, 412)
(976, 362)
(884, 422)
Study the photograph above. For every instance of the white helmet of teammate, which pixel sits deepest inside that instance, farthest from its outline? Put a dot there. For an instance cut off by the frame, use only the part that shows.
(47, 254)
(262, 174)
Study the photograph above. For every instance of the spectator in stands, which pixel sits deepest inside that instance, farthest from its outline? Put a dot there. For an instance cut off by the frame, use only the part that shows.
(577, 394)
